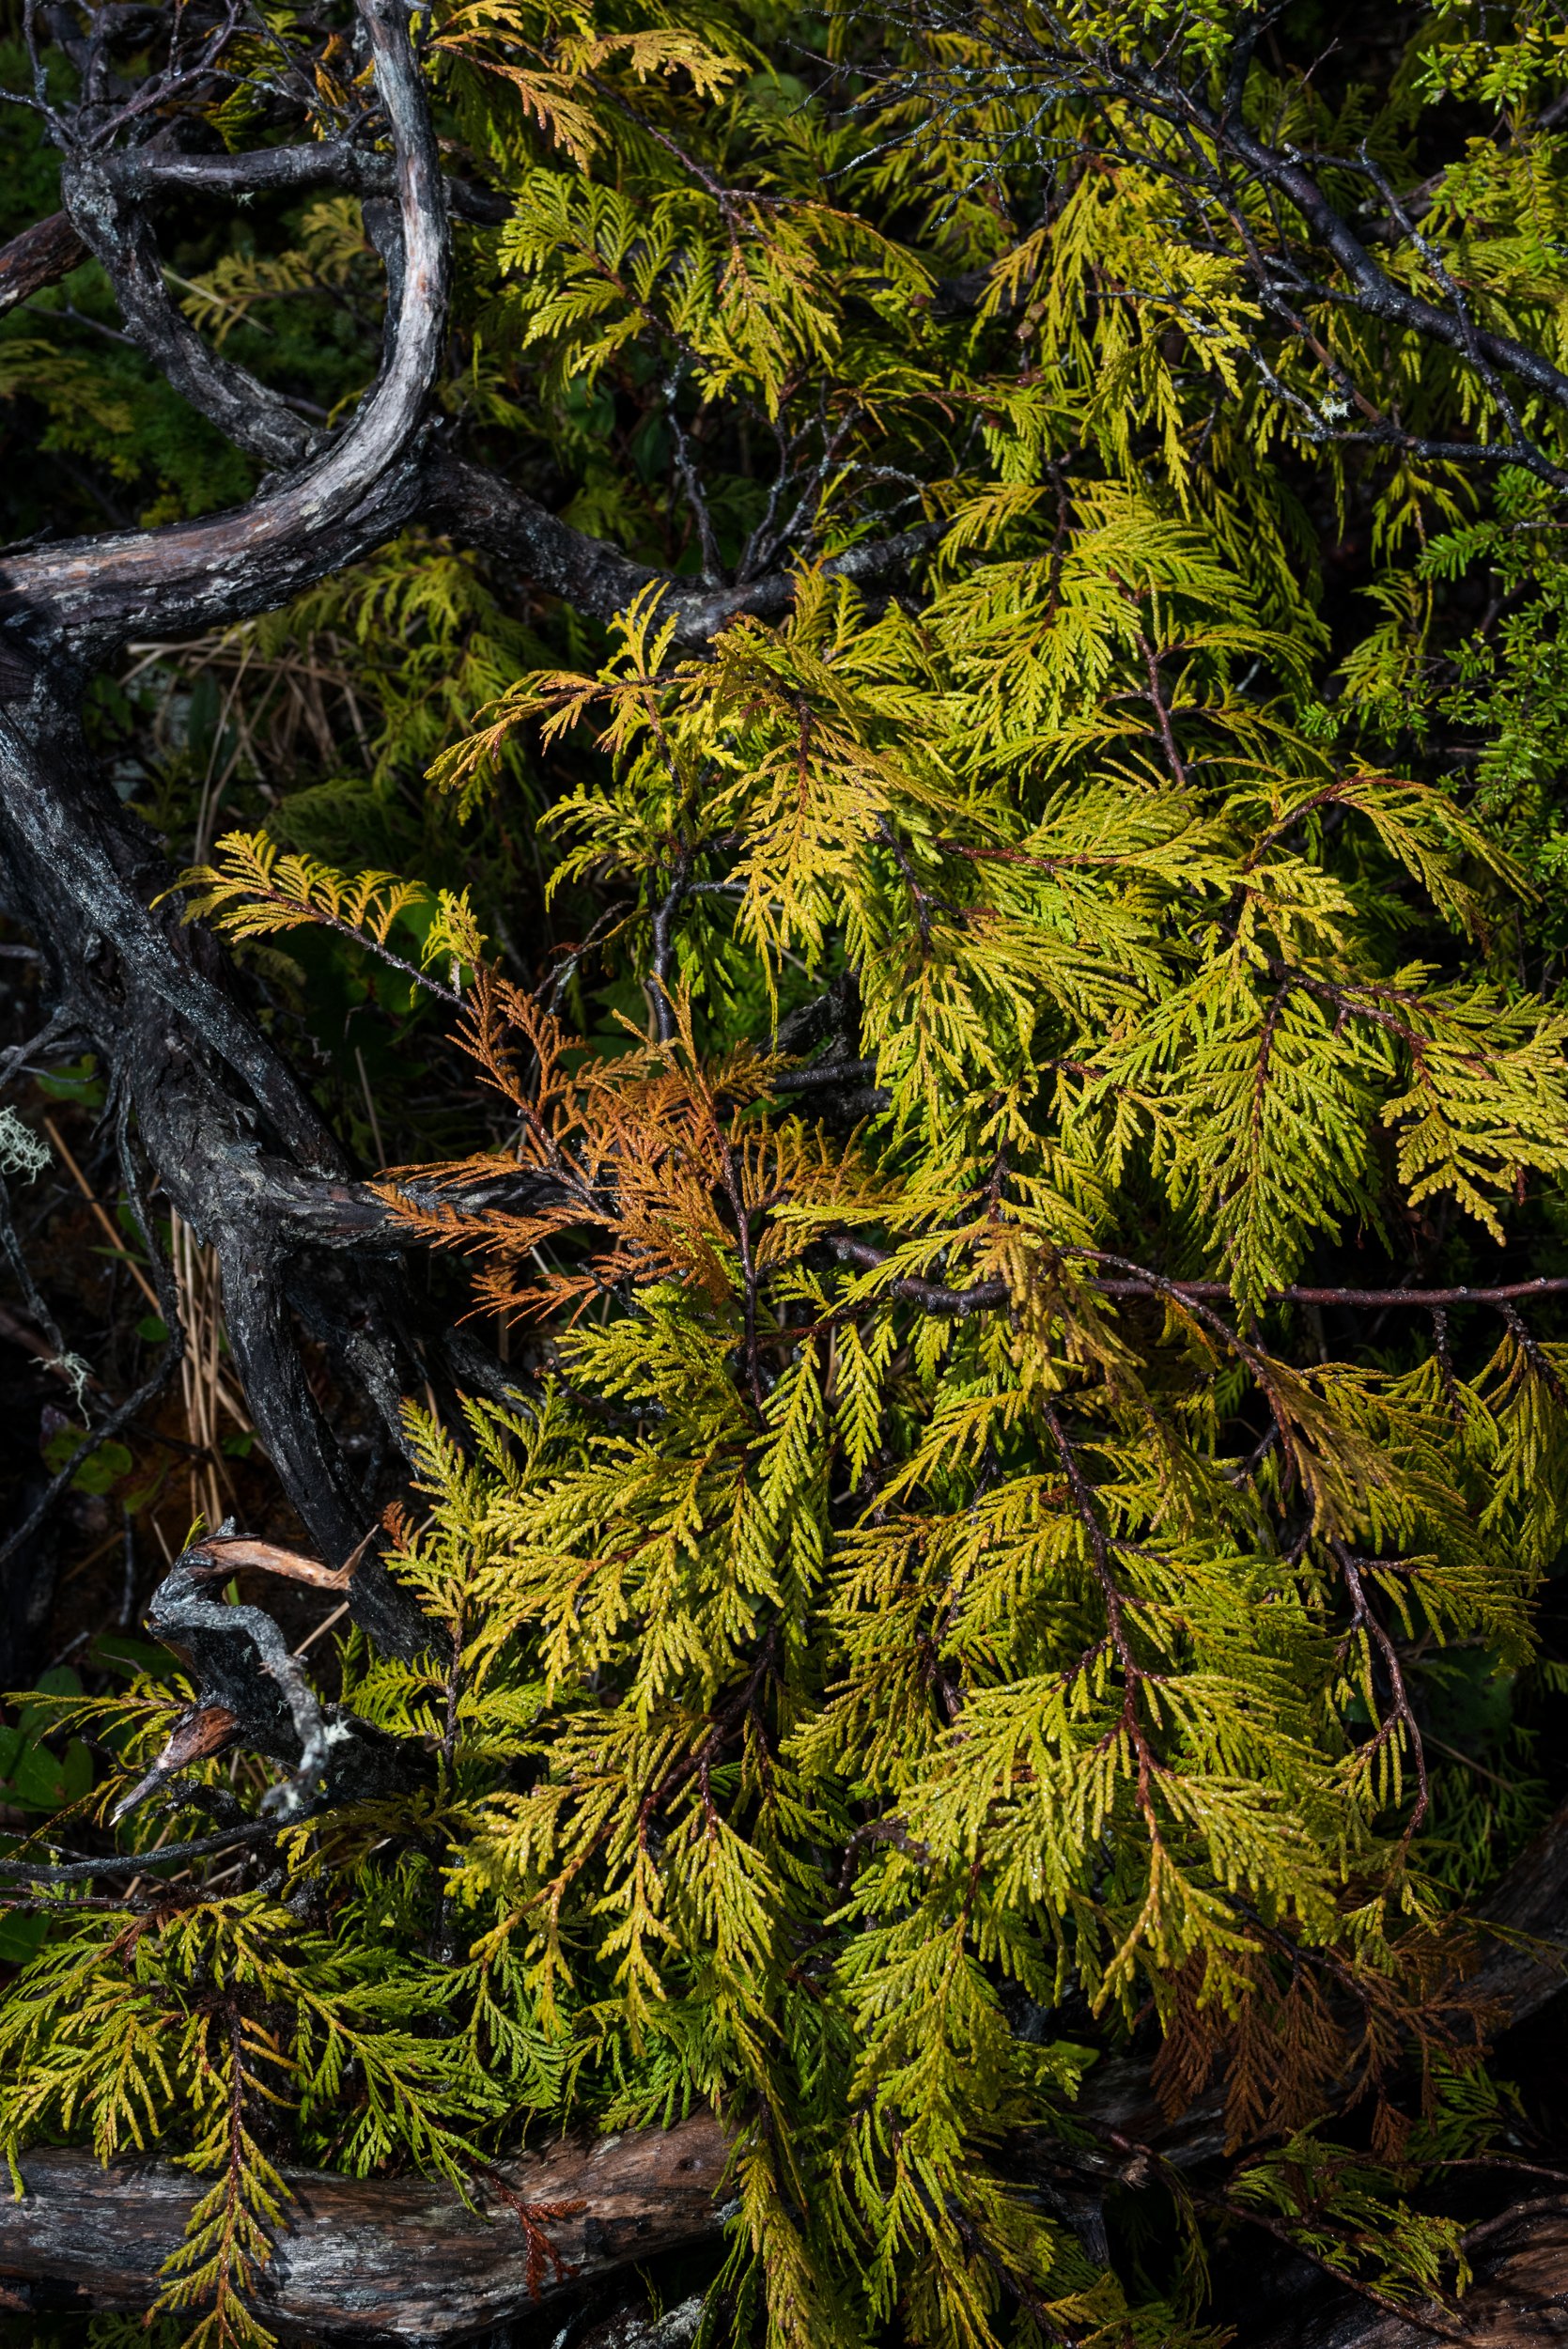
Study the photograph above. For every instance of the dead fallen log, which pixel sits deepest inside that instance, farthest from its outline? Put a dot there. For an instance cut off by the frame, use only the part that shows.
(402, 2262)
(1519, 2298)
(370, 2261)
(403, 2265)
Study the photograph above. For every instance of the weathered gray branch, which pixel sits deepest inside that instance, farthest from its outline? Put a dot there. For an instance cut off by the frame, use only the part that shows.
(79, 603)
(379, 2262)
(119, 232)
(217, 1111)
(143, 173)
(246, 1674)
(595, 577)
(39, 256)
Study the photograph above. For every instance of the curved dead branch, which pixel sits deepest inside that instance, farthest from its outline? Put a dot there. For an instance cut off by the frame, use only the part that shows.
(118, 230)
(217, 1112)
(217, 1115)
(487, 513)
(86, 600)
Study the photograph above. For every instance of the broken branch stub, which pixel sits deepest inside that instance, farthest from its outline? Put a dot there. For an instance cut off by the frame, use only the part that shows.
(251, 1689)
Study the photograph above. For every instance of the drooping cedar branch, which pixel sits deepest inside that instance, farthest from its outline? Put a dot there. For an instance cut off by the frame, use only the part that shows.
(350, 1216)
(377, 2261)
(1517, 2298)
(1309, 255)
(426, 2269)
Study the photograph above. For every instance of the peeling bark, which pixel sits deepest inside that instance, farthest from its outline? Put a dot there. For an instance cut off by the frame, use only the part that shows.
(39, 257)
(379, 2261)
(251, 1689)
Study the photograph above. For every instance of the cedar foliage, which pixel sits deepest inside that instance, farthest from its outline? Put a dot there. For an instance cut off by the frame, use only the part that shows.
(965, 1583)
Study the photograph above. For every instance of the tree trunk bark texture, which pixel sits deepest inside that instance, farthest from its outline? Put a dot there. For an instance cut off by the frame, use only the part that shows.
(376, 2263)
(405, 2264)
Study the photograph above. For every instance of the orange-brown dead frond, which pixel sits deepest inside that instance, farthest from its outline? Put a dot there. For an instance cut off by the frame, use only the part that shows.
(1310, 2035)
(647, 1166)
(519, 1045)
(512, 1239)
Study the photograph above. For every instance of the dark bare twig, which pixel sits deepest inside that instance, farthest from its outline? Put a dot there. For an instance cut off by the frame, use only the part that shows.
(1133, 1281)
(78, 1870)
(169, 1361)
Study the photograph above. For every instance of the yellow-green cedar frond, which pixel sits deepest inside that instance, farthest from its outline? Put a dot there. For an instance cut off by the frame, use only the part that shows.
(1420, 826)
(228, 2236)
(81, 406)
(1486, 1089)
(255, 890)
(1351, 2213)
(552, 66)
(1525, 1388)
(334, 247)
